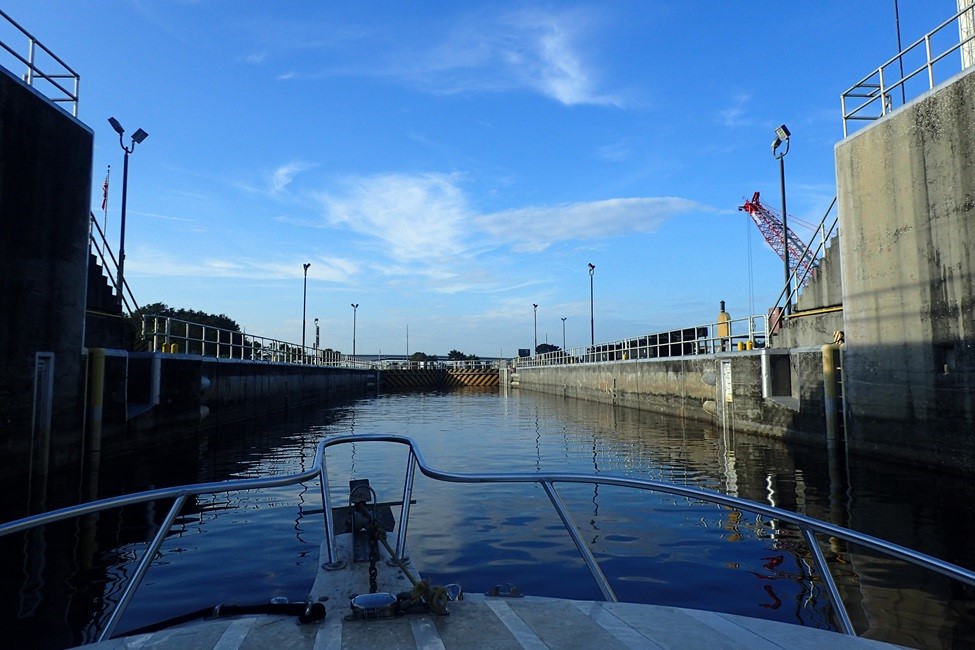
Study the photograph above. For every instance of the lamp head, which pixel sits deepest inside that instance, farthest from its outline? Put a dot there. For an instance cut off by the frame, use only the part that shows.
(535, 305)
(306, 265)
(355, 305)
(139, 136)
(115, 125)
(592, 267)
(781, 135)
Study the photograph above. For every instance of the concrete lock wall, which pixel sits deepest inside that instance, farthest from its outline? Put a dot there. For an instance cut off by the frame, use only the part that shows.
(45, 193)
(906, 192)
(151, 399)
(725, 389)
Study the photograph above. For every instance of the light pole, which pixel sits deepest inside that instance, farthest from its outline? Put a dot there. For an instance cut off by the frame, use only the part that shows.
(563, 333)
(316, 336)
(137, 138)
(355, 308)
(535, 349)
(782, 136)
(304, 305)
(592, 317)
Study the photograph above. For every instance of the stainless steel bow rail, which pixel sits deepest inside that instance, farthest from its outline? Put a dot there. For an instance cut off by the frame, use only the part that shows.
(809, 527)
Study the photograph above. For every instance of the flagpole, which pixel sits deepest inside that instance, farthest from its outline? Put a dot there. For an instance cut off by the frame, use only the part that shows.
(108, 173)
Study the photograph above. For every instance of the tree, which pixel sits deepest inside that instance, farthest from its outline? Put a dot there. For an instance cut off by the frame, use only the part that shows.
(457, 355)
(546, 347)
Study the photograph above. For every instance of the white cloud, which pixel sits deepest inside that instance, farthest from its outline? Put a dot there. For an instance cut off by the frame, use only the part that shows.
(255, 58)
(149, 261)
(734, 115)
(423, 221)
(283, 175)
(534, 229)
(414, 216)
(535, 50)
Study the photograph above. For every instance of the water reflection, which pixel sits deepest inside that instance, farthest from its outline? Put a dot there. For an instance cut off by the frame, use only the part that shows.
(252, 546)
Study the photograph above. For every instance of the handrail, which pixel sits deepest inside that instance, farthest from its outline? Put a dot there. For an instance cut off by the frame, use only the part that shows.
(34, 71)
(707, 338)
(130, 304)
(162, 332)
(777, 315)
(808, 526)
(875, 87)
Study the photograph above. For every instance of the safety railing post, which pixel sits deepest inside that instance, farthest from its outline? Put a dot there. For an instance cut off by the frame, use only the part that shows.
(141, 569)
(30, 62)
(404, 519)
(834, 593)
(930, 63)
(331, 552)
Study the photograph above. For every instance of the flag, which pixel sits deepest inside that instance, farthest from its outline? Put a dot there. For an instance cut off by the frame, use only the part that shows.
(105, 189)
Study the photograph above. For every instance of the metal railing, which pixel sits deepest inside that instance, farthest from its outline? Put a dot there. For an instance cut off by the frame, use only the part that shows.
(751, 332)
(99, 245)
(800, 277)
(37, 55)
(876, 94)
(808, 526)
(172, 335)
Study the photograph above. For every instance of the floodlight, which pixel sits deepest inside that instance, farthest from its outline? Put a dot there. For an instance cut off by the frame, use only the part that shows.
(139, 136)
(115, 125)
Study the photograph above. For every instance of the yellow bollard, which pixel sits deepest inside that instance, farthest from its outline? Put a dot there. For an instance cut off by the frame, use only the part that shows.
(749, 344)
(741, 346)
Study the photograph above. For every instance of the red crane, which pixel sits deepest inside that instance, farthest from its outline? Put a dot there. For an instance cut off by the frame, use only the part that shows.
(769, 223)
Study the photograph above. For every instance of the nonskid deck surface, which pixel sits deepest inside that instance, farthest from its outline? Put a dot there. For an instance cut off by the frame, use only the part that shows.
(500, 623)
(483, 622)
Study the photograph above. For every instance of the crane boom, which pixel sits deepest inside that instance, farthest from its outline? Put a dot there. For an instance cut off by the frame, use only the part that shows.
(770, 225)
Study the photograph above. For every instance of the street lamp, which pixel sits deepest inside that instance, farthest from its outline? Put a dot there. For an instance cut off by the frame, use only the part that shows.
(535, 349)
(782, 136)
(304, 305)
(355, 308)
(137, 138)
(592, 318)
(563, 333)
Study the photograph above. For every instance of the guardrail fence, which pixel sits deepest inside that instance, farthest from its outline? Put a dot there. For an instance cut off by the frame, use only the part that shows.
(900, 77)
(43, 68)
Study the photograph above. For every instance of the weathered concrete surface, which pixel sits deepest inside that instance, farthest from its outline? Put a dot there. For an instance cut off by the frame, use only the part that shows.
(45, 190)
(906, 188)
(694, 388)
(810, 325)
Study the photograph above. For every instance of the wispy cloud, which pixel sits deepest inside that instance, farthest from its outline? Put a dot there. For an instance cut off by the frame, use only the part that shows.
(150, 261)
(255, 58)
(282, 176)
(615, 152)
(530, 49)
(534, 229)
(426, 219)
(414, 216)
(734, 115)
(540, 51)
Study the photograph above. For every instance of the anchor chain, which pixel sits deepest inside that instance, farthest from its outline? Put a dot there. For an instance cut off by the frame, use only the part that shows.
(424, 597)
(373, 559)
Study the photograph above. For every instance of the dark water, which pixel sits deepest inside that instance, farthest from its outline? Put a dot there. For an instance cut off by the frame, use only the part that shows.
(248, 547)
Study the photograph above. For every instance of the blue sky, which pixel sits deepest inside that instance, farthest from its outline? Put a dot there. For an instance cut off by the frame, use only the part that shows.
(447, 165)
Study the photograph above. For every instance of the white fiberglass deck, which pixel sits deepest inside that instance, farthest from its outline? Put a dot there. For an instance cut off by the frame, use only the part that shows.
(488, 623)
(485, 623)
